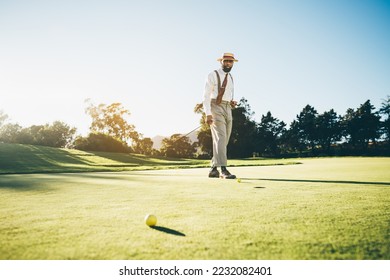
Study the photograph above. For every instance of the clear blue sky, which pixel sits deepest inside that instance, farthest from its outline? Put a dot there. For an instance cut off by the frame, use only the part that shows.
(154, 56)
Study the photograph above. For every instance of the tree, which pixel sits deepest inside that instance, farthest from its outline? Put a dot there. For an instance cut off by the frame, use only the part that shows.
(205, 142)
(329, 129)
(270, 131)
(111, 120)
(385, 112)
(58, 134)
(9, 133)
(242, 141)
(361, 125)
(306, 128)
(31, 135)
(143, 146)
(178, 146)
(290, 140)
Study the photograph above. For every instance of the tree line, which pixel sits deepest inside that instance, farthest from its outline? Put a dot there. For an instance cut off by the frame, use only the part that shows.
(361, 131)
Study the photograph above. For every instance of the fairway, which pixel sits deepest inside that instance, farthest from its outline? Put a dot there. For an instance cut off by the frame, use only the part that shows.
(325, 208)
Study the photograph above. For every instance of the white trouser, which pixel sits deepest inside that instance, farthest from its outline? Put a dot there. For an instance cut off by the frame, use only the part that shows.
(221, 129)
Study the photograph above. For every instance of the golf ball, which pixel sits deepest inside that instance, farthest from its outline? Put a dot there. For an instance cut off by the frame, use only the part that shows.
(150, 220)
(239, 180)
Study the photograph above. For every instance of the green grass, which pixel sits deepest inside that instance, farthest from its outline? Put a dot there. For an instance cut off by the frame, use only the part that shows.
(18, 158)
(331, 208)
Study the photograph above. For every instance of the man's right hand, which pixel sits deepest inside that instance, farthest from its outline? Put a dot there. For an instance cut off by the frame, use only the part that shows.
(209, 119)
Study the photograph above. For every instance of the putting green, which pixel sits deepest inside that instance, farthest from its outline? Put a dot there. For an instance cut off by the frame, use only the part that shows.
(332, 208)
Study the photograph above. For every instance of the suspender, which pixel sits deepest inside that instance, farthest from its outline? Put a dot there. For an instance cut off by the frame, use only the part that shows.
(219, 81)
(199, 106)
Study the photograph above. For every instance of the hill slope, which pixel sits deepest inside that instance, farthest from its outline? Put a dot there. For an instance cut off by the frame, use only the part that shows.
(19, 158)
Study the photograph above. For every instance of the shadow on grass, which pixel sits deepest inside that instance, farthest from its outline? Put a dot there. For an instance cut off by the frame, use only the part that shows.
(168, 230)
(20, 183)
(319, 181)
(136, 159)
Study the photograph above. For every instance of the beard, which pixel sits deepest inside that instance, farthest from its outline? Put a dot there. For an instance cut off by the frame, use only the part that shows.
(226, 69)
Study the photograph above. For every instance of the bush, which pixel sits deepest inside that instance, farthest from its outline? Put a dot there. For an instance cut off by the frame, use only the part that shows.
(102, 143)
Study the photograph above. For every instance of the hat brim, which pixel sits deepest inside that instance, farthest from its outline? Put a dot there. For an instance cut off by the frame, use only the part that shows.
(227, 58)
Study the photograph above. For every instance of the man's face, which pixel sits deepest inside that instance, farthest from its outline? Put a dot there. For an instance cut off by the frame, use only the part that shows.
(227, 64)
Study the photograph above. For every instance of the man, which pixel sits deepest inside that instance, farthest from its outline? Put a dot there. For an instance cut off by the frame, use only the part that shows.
(218, 103)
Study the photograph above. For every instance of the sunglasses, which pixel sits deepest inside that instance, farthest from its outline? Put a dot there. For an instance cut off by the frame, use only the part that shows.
(228, 60)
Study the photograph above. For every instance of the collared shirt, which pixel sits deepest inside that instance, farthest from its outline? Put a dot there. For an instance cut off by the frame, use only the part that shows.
(211, 89)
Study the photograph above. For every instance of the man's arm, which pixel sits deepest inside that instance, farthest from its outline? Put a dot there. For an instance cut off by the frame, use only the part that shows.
(208, 91)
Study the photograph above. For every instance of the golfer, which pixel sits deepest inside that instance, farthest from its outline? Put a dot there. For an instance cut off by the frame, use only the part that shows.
(218, 104)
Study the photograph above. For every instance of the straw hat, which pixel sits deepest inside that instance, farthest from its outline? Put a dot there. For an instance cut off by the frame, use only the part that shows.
(227, 56)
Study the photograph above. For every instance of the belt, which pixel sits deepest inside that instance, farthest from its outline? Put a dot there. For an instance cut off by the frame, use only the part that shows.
(222, 102)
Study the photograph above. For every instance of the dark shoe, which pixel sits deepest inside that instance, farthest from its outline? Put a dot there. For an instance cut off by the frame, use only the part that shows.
(225, 174)
(214, 173)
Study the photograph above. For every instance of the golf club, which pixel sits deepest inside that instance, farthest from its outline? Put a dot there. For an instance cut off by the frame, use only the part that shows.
(187, 133)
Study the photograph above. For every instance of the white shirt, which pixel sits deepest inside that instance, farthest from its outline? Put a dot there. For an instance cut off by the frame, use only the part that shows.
(211, 89)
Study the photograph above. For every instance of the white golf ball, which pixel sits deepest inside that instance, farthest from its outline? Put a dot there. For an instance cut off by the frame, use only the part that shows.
(150, 220)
